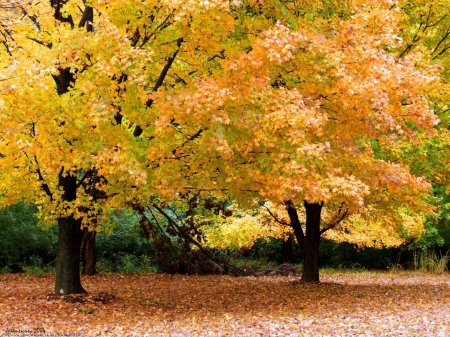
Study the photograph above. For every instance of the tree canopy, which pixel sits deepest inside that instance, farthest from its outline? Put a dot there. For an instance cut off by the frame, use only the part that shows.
(304, 114)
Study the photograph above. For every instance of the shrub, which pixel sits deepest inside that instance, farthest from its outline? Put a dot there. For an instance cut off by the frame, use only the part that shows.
(22, 240)
(126, 239)
(430, 261)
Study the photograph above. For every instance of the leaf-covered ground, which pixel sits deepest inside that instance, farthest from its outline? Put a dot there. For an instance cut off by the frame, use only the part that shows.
(164, 305)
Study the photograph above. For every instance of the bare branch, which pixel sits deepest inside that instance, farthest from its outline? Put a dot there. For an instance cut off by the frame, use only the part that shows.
(220, 262)
(44, 185)
(341, 214)
(274, 216)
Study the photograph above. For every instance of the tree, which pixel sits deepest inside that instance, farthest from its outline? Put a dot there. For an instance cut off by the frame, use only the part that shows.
(426, 33)
(242, 229)
(300, 115)
(81, 135)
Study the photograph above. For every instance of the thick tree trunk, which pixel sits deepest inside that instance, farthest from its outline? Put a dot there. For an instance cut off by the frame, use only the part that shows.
(68, 260)
(69, 242)
(311, 243)
(88, 252)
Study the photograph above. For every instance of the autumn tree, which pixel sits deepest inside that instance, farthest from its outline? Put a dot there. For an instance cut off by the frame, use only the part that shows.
(82, 134)
(426, 40)
(424, 30)
(299, 114)
(426, 35)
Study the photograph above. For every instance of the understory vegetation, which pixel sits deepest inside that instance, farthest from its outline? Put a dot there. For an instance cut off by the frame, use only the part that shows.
(30, 248)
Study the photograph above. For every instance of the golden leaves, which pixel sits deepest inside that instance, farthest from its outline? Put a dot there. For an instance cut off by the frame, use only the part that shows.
(247, 103)
(243, 229)
(280, 43)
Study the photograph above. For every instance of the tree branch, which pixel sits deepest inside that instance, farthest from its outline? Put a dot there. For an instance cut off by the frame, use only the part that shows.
(141, 212)
(44, 185)
(57, 5)
(274, 216)
(87, 19)
(83, 178)
(164, 72)
(219, 262)
(295, 223)
(341, 214)
(138, 129)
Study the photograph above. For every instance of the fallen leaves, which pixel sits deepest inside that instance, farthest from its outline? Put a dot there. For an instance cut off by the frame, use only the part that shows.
(166, 305)
(80, 298)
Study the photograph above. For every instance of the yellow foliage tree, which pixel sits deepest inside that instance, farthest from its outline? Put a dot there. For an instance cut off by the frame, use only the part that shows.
(243, 229)
(83, 132)
(297, 118)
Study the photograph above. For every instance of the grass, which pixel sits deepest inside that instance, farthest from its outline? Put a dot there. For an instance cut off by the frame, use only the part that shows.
(350, 271)
(431, 262)
(251, 264)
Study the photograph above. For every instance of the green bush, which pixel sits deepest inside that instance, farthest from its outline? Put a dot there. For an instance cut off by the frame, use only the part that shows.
(127, 264)
(131, 264)
(104, 266)
(126, 239)
(331, 254)
(346, 255)
(271, 250)
(124, 250)
(22, 242)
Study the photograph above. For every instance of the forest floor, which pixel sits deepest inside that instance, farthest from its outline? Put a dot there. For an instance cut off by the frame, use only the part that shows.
(364, 304)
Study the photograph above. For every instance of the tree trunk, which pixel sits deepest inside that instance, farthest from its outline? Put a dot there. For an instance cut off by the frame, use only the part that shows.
(286, 250)
(68, 260)
(88, 252)
(69, 242)
(311, 243)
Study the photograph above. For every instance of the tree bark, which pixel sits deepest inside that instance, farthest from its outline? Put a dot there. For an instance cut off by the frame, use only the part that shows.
(88, 252)
(296, 224)
(68, 279)
(286, 250)
(312, 242)
(57, 5)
